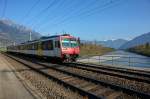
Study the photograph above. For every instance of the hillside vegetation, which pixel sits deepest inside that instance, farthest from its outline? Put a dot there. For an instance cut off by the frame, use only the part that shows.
(141, 49)
(11, 32)
(139, 40)
(108, 43)
(92, 49)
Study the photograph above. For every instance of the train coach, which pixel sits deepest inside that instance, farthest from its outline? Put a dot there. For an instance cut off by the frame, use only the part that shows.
(60, 47)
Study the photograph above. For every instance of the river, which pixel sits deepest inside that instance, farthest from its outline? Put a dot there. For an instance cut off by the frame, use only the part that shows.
(120, 58)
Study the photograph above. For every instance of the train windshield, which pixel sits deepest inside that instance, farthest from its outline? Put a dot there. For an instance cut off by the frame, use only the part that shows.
(69, 42)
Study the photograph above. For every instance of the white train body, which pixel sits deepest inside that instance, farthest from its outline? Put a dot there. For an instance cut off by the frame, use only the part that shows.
(60, 46)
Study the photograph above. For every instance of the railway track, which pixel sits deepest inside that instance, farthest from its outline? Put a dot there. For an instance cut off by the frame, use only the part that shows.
(116, 69)
(87, 86)
(128, 83)
(128, 74)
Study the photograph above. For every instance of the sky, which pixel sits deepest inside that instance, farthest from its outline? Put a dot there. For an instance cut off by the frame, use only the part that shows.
(87, 19)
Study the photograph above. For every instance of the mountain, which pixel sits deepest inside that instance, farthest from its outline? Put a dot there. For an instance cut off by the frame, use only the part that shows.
(109, 43)
(113, 43)
(142, 39)
(11, 32)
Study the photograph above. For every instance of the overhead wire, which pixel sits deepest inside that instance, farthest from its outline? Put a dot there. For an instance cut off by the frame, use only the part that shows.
(62, 7)
(43, 11)
(4, 9)
(1, 7)
(30, 10)
(92, 12)
(39, 22)
(106, 6)
(74, 10)
(83, 13)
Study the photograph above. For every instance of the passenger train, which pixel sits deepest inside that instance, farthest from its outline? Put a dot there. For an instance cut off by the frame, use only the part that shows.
(62, 47)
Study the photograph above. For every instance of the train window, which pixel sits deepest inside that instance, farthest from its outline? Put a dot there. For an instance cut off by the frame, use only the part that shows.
(27, 47)
(24, 47)
(32, 47)
(18, 48)
(35, 46)
(50, 45)
(47, 45)
(57, 44)
(44, 45)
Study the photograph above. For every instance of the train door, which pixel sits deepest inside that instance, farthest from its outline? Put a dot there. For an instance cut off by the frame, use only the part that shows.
(39, 50)
(57, 48)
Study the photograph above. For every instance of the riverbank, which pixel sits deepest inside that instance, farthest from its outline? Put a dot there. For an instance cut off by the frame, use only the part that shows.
(3, 49)
(141, 53)
(142, 50)
(119, 58)
(92, 50)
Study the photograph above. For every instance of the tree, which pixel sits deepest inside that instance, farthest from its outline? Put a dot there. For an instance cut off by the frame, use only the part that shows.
(79, 40)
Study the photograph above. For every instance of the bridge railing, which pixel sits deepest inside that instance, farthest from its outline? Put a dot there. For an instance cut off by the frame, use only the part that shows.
(117, 60)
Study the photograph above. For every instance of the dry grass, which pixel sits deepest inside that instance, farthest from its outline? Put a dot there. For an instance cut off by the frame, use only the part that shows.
(141, 49)
(91, 49)
(3, 49)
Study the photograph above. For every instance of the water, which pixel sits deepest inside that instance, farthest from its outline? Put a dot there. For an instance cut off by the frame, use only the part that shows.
(120, 58)
(128, 59)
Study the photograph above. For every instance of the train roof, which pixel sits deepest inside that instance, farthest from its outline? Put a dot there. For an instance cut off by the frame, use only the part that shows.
(43, 38)
(47, 37)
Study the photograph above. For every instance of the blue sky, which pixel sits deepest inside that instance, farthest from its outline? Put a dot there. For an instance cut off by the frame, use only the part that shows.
(87, 19)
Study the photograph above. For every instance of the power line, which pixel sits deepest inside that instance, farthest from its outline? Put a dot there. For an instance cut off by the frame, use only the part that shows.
(73, 10)
(4, 9)
(84, 8)
(44, 10)
(106, 6)
(30, 10)
(0, 3)
(101, 8)
(91, 12)
(60, 4)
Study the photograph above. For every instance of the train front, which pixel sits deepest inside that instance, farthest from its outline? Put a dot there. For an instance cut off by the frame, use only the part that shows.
(70, 48)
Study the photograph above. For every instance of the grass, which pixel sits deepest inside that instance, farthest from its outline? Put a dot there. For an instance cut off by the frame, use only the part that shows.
(141, 49)
(2, 49)
(92, 49)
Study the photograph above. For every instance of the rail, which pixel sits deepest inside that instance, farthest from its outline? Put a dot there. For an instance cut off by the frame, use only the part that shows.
(63, 71)
(117, 60)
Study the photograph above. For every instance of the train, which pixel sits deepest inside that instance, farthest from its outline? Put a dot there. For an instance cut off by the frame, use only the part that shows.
(64, 48)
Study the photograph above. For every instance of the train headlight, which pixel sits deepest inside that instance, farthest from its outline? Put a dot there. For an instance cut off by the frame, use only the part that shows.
(64, 48)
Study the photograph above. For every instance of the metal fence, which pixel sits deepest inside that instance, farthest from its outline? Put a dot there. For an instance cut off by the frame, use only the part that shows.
(117, 60)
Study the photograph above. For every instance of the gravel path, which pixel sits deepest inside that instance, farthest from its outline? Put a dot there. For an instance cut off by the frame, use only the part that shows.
(10, 86)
